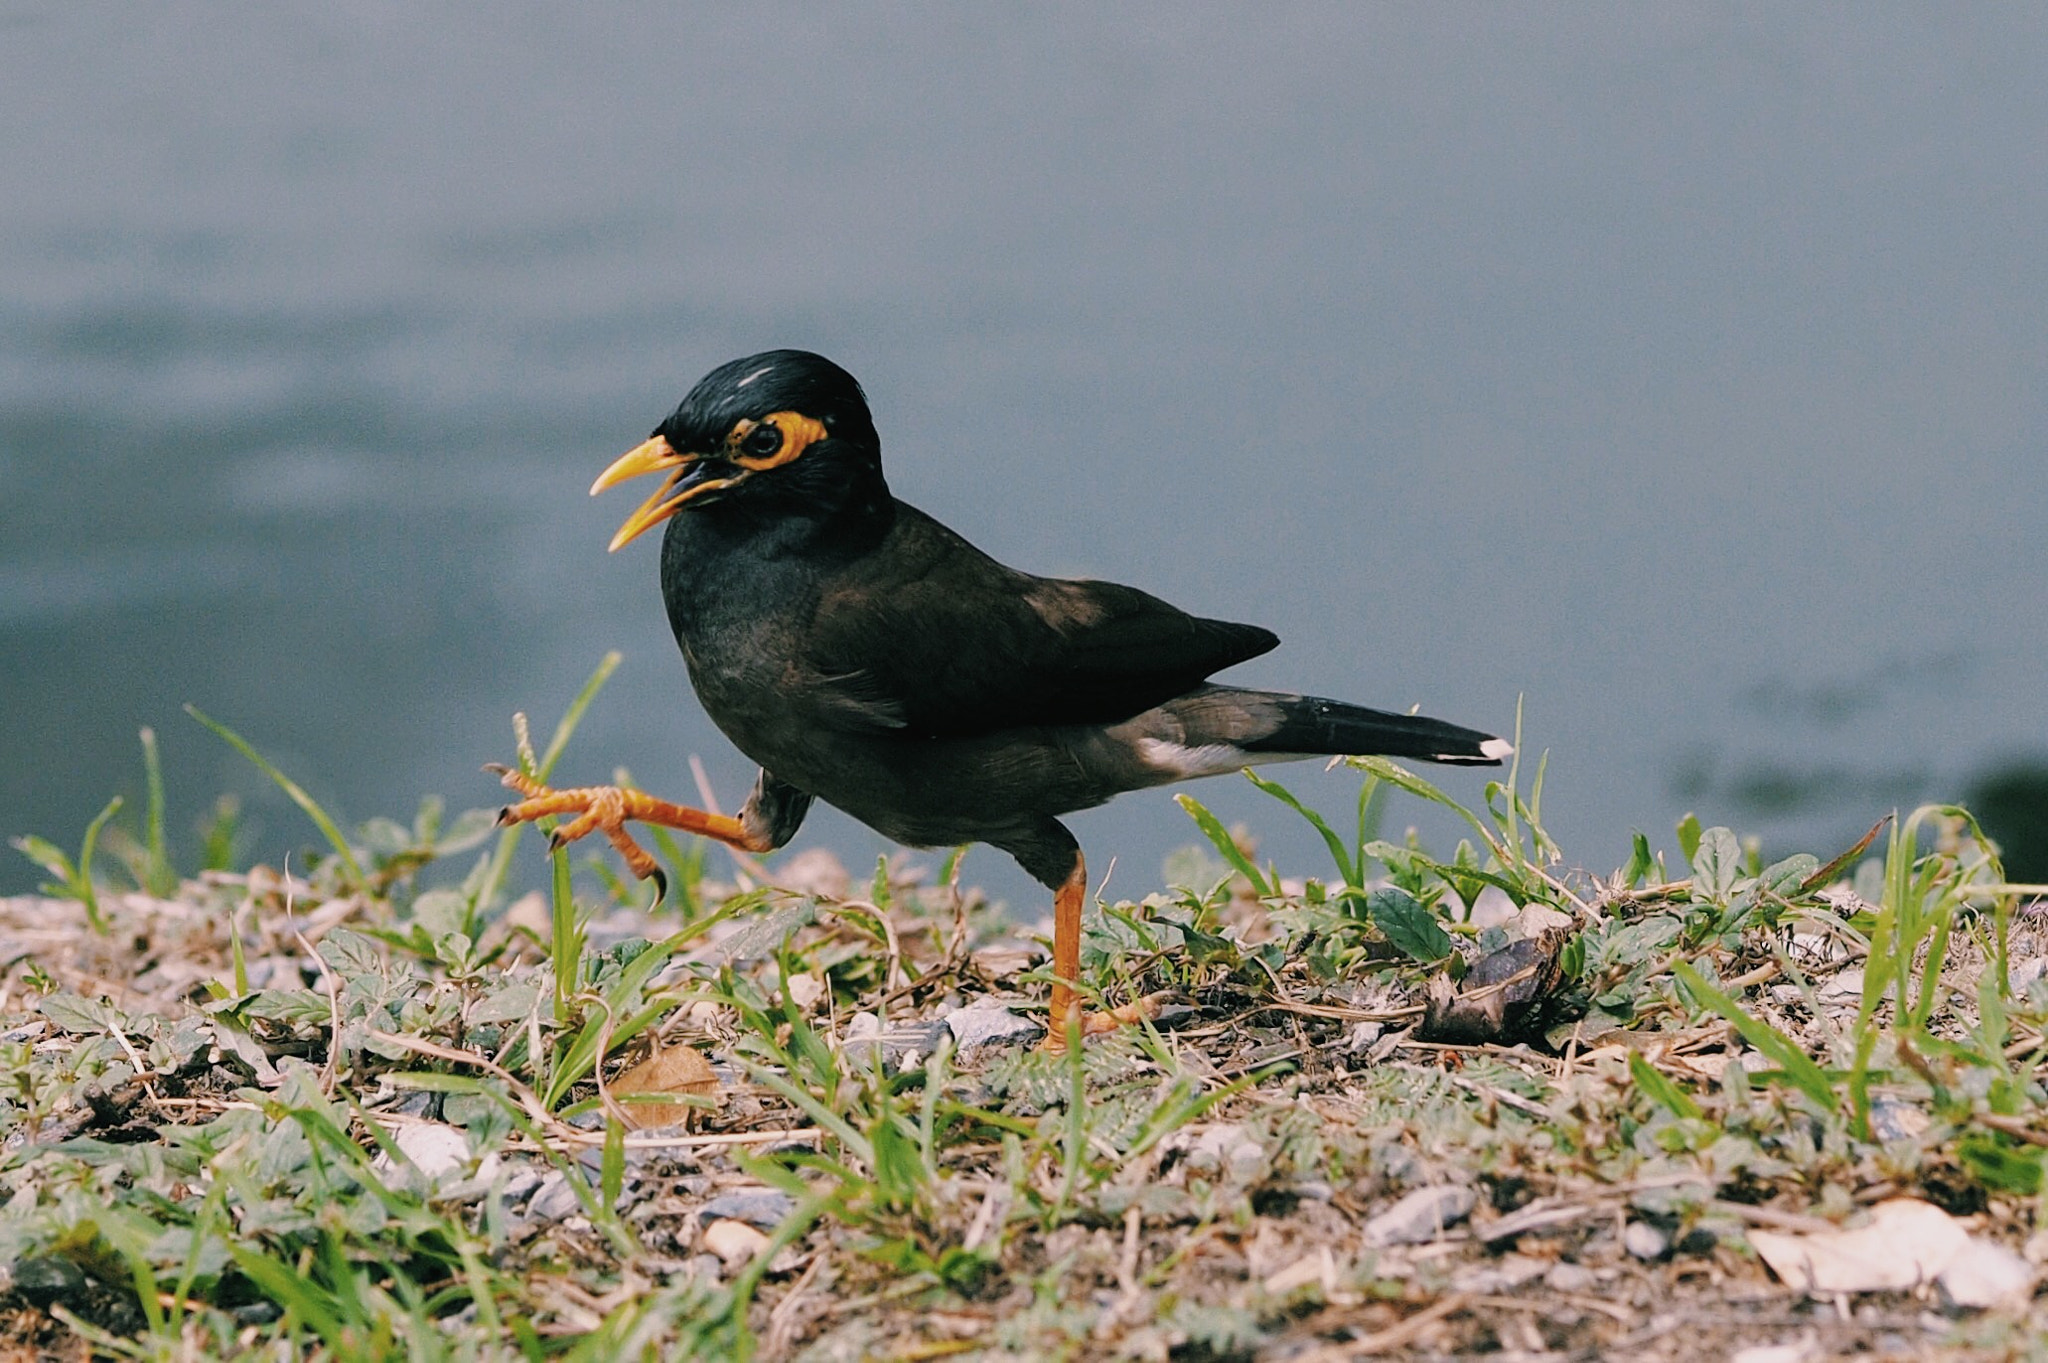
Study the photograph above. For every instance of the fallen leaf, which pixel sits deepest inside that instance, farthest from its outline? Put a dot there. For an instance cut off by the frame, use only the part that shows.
(663, 1077)
(1905, 1244)
(1986, 1274)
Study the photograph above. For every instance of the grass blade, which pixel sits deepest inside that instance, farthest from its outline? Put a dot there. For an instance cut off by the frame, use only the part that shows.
(291, 789)
(1219, 838)
(508, 841)
(1346, 867)
(1780, 1049)
(87, 895)
(160, 879)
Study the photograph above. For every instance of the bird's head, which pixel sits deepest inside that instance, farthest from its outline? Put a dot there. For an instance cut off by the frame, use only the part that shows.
(783, 419)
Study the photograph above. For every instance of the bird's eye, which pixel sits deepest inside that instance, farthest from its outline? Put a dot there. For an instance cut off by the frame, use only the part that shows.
(761, 442)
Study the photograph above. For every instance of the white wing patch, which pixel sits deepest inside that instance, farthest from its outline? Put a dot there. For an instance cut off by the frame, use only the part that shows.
(1182, 762)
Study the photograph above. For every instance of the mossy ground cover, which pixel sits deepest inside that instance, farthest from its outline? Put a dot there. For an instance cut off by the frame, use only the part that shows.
(1410, 1101)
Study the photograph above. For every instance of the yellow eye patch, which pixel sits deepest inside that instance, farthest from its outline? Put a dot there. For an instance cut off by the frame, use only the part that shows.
(799, 433)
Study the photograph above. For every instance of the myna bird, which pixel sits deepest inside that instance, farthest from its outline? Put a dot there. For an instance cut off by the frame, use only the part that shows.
(865, 655)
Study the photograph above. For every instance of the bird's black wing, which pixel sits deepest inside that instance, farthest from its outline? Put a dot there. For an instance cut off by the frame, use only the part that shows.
(931, 637)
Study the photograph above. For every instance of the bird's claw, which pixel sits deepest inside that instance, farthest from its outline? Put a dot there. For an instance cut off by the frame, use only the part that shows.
(594, 809)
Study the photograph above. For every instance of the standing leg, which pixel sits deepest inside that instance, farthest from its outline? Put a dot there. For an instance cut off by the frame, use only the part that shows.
(1056, 847)
(1066, 950)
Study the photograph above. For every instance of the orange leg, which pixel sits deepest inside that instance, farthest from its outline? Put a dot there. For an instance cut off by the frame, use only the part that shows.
(1066, 968)
(607, 808)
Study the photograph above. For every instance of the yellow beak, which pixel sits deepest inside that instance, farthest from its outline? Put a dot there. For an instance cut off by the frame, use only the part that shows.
(653, 456)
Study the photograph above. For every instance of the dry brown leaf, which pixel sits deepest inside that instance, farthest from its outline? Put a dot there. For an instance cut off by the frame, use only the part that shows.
(676, 1073)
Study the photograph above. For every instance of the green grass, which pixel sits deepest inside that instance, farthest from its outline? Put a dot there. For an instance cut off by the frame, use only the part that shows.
(214, 1158)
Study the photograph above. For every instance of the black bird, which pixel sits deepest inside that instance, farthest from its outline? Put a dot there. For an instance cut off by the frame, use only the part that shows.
(867, 656)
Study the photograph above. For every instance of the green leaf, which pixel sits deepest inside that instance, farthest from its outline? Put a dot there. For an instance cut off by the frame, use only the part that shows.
(1688, 836)
(764, 936)
(1660, 1090)
(1716, 865)
(1410, 926)
(1641, 862)
(78, 1016)
(51, 858)
(1346, 867)
(1784, 878)
(2000, 1165)
(1225, 845)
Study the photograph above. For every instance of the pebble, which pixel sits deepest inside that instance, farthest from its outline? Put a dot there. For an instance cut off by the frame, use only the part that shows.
(986, 1022)
(1420, 1216)
(1223, 1148)
(1570, 1278)
(521, 1184)
(765, 1208)
(554, 1199)
(902, 1048)
(41, 1282)
(1645, 1241)
(734, 1242)
(1894, 1120)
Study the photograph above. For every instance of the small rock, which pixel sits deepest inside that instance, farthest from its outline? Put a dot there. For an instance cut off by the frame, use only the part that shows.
(521, 1184)
(1491, 908)
(1223, 1148)
(1536, 918)
(764, 1208)
(46, 1281)
(814, 871)
(804, 990)
(418, 1103)
(1846, 984)
(1569, 1277)
(1422, 1215)
(554, 1199)
(1645, 1241)
(1362, 1035)
(440, 1153)
(986, 1022)
(1501, 1276)
(734, 1242)
(901, 1048)
(1894, 1120)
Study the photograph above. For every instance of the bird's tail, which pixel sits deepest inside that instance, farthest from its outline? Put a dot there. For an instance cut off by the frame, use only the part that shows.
(1310, 726)
(1216, 729)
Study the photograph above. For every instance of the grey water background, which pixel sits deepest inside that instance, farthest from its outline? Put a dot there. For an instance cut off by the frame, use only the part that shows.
(1679, 370)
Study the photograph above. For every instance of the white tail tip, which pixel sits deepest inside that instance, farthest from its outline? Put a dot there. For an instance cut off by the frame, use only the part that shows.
(1496, 749)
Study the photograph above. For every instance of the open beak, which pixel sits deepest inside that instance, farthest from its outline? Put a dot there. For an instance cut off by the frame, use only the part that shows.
(658, 456)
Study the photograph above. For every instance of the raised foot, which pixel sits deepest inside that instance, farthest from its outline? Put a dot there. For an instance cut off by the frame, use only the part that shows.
(606, 809)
